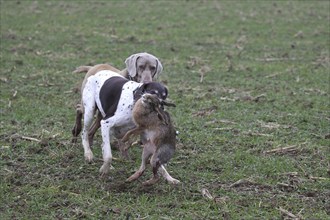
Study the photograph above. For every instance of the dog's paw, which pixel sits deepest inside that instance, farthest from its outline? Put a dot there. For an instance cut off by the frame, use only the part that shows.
(104, 170)
(89, 157)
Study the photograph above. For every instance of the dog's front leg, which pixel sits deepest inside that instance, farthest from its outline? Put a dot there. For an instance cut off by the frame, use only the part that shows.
(106, 148)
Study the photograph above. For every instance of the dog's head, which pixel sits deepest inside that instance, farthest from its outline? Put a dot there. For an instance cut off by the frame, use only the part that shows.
(143, 67)
(155, 88)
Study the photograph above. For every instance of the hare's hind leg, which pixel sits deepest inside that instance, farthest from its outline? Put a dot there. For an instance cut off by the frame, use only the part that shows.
(148, 150)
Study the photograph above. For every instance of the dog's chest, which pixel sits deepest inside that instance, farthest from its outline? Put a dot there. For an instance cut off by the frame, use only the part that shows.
(110, 94)
(123, 116)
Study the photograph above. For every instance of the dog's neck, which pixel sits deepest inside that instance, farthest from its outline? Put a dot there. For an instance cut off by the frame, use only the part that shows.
(126, 74)
(137, 93)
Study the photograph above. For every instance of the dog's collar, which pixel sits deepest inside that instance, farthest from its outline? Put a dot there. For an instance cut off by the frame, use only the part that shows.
(137, 93)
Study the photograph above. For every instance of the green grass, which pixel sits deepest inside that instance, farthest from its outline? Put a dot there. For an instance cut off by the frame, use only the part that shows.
(266, 86)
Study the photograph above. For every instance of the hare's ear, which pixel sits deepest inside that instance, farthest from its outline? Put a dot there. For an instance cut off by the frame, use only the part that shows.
(169, 104)
(161, 115)
(131, 64)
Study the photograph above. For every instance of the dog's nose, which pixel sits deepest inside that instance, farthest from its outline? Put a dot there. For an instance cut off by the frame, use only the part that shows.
(146, 77)
(146, 80)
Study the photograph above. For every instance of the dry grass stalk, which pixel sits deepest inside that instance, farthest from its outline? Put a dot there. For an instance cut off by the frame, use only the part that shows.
(284, 185)
(318, 178)
(227, 121)
(223, 129)
(287, 213)
(206, 194)
(14, 94)
(30, 139)
(227, 99)
(282, 150)
(290, 174)
(276, 59)
(250, 133)
(272, 75)
(241, 182)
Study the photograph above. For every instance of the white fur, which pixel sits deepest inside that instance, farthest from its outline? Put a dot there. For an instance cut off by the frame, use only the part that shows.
(122, 116)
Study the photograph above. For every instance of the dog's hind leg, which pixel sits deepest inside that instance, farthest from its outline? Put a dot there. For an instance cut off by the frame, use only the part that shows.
(88, 118)
(89, 106)
(77, 127)
(95, 126)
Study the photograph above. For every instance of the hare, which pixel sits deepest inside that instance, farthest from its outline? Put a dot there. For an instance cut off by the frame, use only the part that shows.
(158, 134)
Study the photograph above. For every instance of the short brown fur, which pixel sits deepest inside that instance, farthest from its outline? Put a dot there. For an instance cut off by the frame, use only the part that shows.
(158, 135)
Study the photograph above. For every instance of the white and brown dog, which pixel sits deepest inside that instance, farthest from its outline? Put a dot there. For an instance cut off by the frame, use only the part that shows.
(140, 67)
(114, 96)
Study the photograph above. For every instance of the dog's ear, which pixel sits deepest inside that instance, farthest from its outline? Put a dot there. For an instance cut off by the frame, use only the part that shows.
(159, 68)
(137, 93)
(131, 64)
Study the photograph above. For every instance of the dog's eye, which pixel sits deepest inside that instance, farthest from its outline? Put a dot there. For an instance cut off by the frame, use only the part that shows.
(152, 68)
(164, 95)
(141, 67)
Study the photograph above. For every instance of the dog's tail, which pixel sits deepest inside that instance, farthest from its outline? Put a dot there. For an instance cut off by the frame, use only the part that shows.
(82, 69)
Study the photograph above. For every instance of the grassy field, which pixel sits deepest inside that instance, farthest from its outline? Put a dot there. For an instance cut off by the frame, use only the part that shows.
(251, 83)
